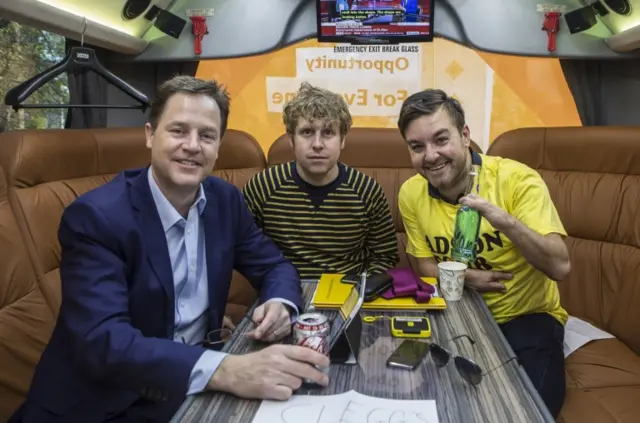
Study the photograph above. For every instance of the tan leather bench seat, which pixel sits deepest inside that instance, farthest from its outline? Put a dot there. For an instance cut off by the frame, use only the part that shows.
(26, 320)
(41, 172)
(603, 364)
(603, 381)
(593, 175)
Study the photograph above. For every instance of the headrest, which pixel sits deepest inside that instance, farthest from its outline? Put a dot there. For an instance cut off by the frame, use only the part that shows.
(35, 157)
(607, 149)
(240, 150)
(364, 147)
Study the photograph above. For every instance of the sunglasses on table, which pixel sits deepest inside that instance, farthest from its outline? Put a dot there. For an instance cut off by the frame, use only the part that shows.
(468, 369)
(224, 335)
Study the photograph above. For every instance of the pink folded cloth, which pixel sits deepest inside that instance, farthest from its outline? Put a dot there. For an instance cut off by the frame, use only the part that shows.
(407, 283)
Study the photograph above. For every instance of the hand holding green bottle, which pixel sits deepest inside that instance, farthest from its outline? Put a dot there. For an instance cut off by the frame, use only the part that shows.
(496, 216)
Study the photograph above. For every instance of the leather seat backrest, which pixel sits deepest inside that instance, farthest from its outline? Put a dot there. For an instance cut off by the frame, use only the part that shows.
(593, 175)
(48, 169)
(26, 321)
(240, 157)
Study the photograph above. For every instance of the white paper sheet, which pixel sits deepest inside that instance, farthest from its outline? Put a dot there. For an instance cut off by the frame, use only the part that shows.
(349, 407)
(578, 332)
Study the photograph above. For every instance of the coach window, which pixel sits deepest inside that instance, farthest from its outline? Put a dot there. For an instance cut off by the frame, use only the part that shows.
(26, 52)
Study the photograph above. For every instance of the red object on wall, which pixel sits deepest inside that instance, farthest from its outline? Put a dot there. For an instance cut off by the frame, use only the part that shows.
(551, 25)
(199, 29)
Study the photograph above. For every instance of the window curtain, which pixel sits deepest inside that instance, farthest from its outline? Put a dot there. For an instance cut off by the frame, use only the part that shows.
(606, 92)
(165, 71)
(145, 77)
(87, 87)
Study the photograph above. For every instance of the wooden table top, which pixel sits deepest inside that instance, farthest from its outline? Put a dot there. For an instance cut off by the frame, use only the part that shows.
(504, 395)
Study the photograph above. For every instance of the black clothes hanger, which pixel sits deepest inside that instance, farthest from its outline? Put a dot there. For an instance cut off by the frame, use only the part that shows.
(77, 58)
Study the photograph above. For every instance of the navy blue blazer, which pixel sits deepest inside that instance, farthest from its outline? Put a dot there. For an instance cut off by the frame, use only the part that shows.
(112, 355)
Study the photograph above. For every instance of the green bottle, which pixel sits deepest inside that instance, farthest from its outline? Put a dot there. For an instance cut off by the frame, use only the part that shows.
(467, 226)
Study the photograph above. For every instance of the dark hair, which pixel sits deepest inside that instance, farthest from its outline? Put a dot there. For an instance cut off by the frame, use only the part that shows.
(426, 103)
(313, 103)
(190, 85)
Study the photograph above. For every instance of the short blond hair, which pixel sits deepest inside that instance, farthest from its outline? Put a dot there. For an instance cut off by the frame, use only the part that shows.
(313, 103)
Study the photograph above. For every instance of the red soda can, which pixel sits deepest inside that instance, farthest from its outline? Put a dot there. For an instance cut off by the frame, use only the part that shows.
(311, 330)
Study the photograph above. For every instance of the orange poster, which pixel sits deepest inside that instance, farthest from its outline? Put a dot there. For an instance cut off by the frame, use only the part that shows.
(499, 93)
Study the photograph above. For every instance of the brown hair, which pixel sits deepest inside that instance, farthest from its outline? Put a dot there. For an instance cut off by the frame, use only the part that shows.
(313, 103)
(426, 103)
(190, 85)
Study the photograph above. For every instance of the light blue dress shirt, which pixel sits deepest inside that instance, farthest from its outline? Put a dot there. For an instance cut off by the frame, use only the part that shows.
(186, 243)
(185, 240)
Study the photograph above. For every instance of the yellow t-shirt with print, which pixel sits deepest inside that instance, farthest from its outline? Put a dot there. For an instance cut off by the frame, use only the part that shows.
(513, 186)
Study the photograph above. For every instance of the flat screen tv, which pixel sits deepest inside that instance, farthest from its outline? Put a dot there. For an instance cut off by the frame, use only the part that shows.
(375, 21)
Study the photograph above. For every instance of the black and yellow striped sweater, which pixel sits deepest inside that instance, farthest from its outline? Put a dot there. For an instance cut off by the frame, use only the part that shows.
(336, 228)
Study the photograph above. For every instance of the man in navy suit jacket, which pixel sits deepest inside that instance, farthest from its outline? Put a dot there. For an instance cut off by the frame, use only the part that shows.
(146, 267)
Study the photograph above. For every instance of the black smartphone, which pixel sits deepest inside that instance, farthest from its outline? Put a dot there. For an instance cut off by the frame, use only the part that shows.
(408, 355)
(376, 285)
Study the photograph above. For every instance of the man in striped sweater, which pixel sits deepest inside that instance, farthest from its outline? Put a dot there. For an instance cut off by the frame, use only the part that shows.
(325, 216)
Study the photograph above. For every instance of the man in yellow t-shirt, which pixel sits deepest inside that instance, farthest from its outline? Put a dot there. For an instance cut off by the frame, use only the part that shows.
(520, 249)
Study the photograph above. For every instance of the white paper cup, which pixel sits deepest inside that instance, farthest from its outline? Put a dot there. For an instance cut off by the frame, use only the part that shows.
(451, 279)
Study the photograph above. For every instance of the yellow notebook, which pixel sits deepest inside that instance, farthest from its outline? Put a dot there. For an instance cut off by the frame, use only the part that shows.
(332, 293)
